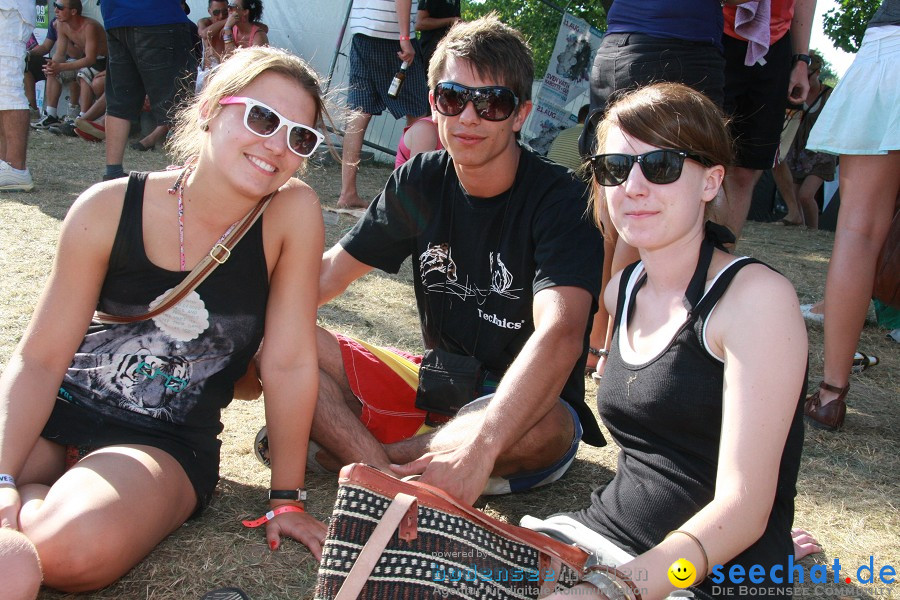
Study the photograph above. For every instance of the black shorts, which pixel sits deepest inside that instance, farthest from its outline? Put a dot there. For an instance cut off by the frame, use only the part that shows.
(755, 98)
(373, 64)
(35, 66)
(626, 61)
(73, 425)
(154, 61)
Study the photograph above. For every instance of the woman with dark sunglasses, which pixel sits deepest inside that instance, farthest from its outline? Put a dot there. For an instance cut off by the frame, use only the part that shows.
(243, 27)
(705, 373)
(108, 433)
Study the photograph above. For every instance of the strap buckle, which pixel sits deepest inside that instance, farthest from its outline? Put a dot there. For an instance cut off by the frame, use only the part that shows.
(219, 247)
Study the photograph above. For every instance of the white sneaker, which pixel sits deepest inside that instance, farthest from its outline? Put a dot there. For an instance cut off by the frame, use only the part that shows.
(13, 180)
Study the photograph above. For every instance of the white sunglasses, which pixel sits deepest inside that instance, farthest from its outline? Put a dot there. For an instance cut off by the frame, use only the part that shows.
(265, 122)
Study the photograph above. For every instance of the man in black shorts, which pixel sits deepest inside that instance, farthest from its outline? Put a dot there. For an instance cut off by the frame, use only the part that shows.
(382, 40)
(149, 55)
(506, 271)
(755, 98)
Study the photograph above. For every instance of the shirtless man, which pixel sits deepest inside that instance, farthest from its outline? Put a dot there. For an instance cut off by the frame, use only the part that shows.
(81, 38)
(210, 31)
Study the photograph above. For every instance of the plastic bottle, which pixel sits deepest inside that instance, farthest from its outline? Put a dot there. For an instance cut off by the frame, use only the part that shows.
(397, 82)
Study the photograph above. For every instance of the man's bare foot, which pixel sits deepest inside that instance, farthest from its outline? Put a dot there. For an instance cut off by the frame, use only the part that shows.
(351, 201)
(804, 543)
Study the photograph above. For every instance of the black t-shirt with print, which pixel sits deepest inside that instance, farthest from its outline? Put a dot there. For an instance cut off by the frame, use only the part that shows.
(438, 9)
(477, 262)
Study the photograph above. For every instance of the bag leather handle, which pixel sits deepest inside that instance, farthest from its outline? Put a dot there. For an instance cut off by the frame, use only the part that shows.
(373, 549)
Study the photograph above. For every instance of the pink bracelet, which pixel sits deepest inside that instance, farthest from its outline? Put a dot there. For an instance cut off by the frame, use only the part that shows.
(404, 38)
(272, 514)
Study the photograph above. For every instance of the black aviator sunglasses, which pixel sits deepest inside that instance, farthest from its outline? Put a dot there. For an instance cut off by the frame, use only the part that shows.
(492, 103)
(658, 166)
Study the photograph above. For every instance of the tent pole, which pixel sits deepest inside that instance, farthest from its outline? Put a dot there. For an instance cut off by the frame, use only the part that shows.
(337, 48)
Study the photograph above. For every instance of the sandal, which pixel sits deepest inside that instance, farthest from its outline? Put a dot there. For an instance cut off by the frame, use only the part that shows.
(829, 417)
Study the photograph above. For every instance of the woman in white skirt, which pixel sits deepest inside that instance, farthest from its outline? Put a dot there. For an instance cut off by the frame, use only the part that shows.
(861, 123)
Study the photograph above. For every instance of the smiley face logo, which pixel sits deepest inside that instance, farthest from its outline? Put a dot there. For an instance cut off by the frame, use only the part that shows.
(682, 573)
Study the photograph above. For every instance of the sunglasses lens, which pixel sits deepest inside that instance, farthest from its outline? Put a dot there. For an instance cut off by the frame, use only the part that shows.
(450, 99)
(495, 104)
(611, 169)
(662, 166)
(262, 121)
(303, 141)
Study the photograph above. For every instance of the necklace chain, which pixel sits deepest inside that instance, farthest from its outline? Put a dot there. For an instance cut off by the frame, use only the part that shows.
(178, 189)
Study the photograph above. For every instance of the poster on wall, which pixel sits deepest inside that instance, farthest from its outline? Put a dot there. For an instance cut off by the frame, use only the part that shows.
(567, 79)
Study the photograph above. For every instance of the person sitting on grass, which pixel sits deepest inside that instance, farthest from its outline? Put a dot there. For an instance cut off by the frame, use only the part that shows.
(108, 439)
(243, 28)
(506, 273)
(705, 378)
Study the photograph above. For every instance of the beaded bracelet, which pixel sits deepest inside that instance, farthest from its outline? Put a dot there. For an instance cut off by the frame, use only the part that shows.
(702, 550)
(228, 39)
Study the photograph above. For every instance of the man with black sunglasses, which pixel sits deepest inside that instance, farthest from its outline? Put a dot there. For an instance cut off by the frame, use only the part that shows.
(506, 272)
(210, 31)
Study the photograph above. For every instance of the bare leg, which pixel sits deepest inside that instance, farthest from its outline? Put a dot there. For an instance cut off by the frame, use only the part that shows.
(85, 527)
(86, 96)
(29, 90)
(871, 185)
(155, 136)
(14, 125)
(734, 206)
(785, 184)
(52, 92)
(806, 197)
(117, 130)
(353, 140)
(20, 567)
(97, 111)
(336, 425)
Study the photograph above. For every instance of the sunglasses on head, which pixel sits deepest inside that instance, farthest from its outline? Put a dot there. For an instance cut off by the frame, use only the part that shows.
(218, 12)
(266, 122)
(234, 7)
(492, 102)
(658, 166)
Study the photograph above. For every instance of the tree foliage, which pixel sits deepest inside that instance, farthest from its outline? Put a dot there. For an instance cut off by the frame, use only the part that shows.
(538, 20)
(846, 24)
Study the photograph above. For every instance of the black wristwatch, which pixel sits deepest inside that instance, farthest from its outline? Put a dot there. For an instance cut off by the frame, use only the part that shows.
(298, 495)
(802, 58)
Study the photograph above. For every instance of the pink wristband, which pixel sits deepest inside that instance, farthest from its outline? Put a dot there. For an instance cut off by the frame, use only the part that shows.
(272, 514)
(404, 38)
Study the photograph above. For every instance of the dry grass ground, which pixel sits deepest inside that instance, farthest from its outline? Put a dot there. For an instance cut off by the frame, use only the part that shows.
(848, 493)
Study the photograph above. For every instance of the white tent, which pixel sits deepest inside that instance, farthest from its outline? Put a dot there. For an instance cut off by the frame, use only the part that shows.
(312, 29)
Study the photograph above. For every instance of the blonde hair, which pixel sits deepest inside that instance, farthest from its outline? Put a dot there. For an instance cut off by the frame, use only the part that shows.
(229, 79)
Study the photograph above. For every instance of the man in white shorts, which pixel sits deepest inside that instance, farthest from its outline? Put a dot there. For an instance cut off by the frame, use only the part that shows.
(16, 24)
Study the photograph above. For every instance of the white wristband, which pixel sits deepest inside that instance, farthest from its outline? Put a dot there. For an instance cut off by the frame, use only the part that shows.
(7, 479)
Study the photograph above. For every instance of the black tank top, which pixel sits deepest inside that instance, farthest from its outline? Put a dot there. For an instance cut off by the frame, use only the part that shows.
(175, 372)
(666, 416)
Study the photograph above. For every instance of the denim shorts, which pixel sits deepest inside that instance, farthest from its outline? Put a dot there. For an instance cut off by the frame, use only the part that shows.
(154, 61)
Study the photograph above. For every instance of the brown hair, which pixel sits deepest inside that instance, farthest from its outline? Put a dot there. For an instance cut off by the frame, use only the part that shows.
(228, 79)
(666, 115)
(495, 50)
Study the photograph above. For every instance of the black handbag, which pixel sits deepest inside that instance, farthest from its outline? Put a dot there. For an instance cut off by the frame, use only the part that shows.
(447, 381)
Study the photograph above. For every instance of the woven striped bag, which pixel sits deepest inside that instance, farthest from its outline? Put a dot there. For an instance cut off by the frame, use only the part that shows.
(396, 539)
